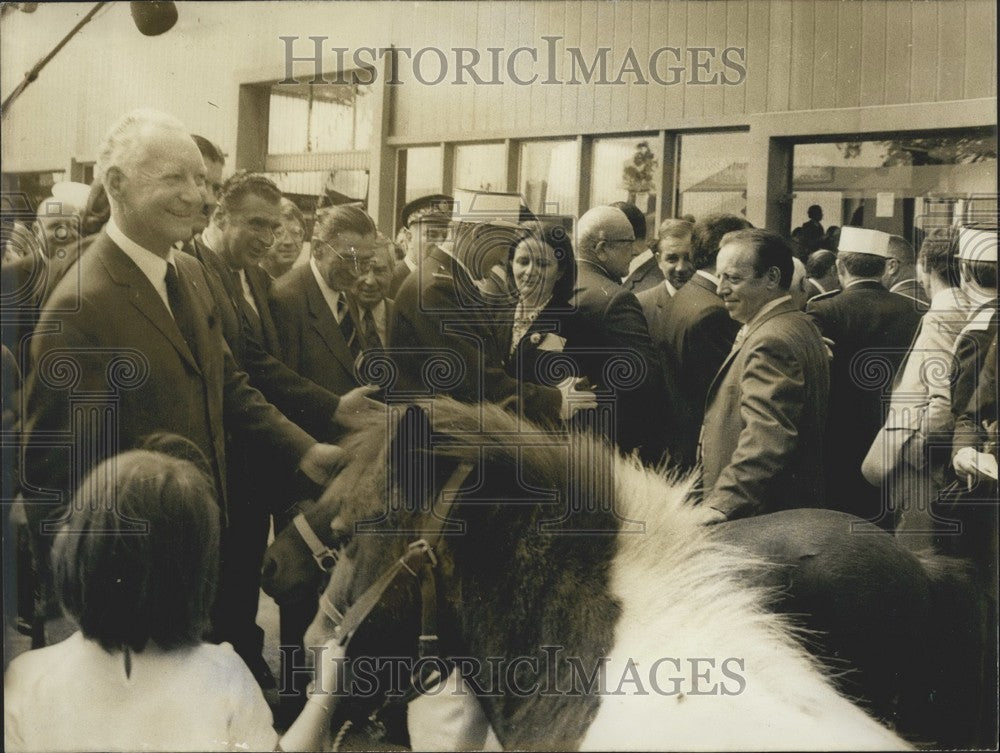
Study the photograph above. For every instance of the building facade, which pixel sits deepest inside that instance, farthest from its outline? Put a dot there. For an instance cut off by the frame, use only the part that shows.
(882, 111)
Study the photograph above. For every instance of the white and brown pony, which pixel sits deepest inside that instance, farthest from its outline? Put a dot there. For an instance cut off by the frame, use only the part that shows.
(580, 596)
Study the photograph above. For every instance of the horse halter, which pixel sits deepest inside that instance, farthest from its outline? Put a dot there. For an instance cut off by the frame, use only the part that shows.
(326, 557)
(419, 562)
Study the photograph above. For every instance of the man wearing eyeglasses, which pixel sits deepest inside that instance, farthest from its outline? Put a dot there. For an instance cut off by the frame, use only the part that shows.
(241, 230)
(316, 316)
(612, 346)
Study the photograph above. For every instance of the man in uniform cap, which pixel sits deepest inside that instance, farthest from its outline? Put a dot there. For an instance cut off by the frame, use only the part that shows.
(443, 321)
(871, 330)
(425, 221)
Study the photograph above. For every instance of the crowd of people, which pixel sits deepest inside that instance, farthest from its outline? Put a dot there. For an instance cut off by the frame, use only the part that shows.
(857, 374)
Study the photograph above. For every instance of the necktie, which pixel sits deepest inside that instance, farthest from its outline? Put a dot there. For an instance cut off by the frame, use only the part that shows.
(369, 330)
(741, 334)
(179, 307)
(347, 327)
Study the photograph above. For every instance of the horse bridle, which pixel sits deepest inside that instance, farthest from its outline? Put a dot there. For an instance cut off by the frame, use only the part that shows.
(325, 556)
(418, 562)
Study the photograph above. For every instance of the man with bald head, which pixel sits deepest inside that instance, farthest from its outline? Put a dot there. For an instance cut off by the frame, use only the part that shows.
(141, 350)
(610, 330)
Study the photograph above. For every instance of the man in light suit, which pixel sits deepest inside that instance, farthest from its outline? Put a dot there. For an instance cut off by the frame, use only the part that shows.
(698, 333)
(762, 439)
(141, 350)
(919, 422)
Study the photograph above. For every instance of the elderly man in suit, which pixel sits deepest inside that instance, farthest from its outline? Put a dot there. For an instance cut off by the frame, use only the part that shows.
(696, 335)
(762, 439)
(871, 330)
(643, 270)
(316, 318)
(141, 349)
(609, 325)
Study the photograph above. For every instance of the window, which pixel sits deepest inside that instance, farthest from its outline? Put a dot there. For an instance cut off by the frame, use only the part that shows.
(900, 186)
(712, 173)
(548, 176)
(625, 169)
(423, 171)
(481, 167)
(303, 118)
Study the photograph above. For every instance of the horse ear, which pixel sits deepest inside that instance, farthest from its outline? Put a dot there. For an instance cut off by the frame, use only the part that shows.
(410, 458)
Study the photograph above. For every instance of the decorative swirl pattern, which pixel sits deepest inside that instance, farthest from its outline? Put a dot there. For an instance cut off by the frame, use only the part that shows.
(60, 369)
(377, 367)
(624, 370)
(871, 370)
(127, 369)
(443, 370)
(937, 371)
(552, 368)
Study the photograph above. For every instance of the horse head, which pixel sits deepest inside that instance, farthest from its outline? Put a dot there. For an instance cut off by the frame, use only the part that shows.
(576, 570)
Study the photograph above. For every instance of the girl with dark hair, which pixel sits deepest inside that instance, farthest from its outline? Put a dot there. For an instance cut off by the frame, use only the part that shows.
(135, 567)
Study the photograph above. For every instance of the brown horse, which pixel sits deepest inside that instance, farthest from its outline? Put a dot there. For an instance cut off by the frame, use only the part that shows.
(557, 542)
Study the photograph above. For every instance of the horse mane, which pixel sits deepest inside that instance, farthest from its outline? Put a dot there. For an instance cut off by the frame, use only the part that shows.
(645, 581)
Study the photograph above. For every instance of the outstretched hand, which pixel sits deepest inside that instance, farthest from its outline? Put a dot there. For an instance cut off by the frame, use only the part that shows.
(972, 465)
(573, 398)
(322, 461)
(356, 408)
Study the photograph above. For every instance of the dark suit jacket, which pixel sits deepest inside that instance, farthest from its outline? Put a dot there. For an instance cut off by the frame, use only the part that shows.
(762, 441)
(257, 346)
(609, 327)
(699, 334)
(122, 355)
(913, 290)
(399, 273)
(440, 317)
(647, 275)
(871, 330)
(312, 341)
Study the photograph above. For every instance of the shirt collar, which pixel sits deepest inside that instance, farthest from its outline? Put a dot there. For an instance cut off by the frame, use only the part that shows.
(708, 276)
(670, 288)
(767, 307)
(331, 296)
(638, 261)
(152, 265)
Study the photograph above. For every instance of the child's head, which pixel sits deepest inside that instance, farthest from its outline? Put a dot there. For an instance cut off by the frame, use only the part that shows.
(137, 559)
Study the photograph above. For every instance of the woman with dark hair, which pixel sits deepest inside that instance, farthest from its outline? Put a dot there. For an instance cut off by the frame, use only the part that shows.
(135, 565)
(541, 269)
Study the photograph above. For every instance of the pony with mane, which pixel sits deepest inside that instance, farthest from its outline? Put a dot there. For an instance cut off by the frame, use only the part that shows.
(584, 569)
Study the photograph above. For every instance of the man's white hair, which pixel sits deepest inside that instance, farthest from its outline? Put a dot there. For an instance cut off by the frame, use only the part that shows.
(595, 225)
(119, 147)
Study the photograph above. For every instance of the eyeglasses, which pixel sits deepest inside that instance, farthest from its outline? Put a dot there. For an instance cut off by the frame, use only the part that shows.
(350, 255)
(618, 240)
(261, 227)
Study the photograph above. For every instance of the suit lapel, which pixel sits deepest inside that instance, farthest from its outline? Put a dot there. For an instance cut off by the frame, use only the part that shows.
(325, 324)
(781, 308)
(143, 296)
(257, 279)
